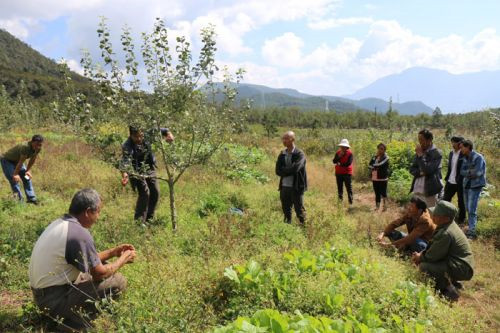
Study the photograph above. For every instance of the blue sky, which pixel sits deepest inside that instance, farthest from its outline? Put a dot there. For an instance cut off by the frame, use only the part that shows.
(318, 46)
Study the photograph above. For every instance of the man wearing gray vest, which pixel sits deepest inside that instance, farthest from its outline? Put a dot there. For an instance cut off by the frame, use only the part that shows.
(67, 274)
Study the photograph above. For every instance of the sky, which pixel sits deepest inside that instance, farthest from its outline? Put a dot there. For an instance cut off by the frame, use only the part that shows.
(321, 47)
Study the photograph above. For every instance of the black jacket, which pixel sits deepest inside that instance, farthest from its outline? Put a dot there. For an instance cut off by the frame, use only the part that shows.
(132, 156)
(458, 177)
(382, 167)
(430, 165)
(297, 169)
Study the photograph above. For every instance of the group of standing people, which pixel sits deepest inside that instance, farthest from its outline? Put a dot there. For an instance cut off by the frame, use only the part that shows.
(436, 243)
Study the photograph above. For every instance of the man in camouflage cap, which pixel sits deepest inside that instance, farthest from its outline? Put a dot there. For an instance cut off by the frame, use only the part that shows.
(448, 258)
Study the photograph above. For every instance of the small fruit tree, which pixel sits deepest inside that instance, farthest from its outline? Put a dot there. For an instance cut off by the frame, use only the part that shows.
(194, 99)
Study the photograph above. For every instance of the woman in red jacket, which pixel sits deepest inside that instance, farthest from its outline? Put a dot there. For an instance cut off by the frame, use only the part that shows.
(343, 169)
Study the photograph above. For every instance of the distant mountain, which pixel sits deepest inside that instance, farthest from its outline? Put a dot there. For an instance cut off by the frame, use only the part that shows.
(262, 96)
(450, 92)
(41, 76)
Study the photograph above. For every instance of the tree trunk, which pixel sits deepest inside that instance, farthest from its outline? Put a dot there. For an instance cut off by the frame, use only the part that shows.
(173, 211)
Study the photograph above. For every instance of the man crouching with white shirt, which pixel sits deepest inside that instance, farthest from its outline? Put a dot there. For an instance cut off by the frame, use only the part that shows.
(67, 275)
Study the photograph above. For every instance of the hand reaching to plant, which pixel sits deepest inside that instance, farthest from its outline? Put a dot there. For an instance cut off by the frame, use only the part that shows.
(120, 249)
(381, 242)
(415, 257)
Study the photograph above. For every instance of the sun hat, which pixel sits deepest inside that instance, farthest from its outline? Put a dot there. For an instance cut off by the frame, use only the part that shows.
(344, 143)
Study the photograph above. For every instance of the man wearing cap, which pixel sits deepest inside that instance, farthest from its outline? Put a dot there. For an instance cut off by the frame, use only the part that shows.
(15, 171)
(454, 178)
(426, 169)
(343, 169)
(291, 167)
(448, 258)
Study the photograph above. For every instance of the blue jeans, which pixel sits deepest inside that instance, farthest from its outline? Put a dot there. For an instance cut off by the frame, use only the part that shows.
(418, 246)
(471, 199)
(8, 170)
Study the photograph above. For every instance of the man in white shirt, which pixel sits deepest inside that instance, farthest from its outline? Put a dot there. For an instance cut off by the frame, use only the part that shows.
(453, 178)
(67, 275)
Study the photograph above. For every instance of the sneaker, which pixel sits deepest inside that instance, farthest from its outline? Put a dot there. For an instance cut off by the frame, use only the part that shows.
(450, 293)
(33, 202)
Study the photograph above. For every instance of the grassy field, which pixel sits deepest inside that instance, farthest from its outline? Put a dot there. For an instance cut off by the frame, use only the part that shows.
(219, 266)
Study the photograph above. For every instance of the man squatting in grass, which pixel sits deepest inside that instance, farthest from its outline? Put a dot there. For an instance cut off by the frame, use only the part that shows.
(418, 223)
(473, 172)
(454, 180)
(138, 158)
(15, 171)
(426, 169)
(67, 275)
(448, 258)
(291, 167)
(379, 166)
(343, 169)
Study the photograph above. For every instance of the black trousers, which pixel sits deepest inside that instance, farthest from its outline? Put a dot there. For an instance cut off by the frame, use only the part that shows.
(347, 179)
(449, 192)
(291, 197)
(380, 189)
(149, 192)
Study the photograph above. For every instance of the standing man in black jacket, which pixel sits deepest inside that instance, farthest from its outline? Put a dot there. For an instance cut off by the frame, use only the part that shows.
(291, 167)
(426, 169)
(453, 178)
(139, 165)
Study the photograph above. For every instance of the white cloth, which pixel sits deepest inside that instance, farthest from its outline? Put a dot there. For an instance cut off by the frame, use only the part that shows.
(454, 162)
(48, 265)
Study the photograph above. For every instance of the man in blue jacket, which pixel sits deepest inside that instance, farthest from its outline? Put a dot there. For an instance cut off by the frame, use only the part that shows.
(474, 172)
(454, 179)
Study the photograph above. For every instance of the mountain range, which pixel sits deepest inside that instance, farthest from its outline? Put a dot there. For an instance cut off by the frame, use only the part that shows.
(420, 89)
(263, 96)
(438, 88)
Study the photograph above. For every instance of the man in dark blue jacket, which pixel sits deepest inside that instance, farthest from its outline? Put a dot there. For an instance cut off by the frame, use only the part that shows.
(426, 169)
(474, 172)
(291, 167)
(454, 179)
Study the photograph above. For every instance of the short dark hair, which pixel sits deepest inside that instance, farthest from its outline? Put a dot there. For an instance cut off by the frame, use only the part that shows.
(468, 144)
(418, 202)
(132, 129)
(84, 199)
(37, 138)
(457, 139)
(382, 145)
(426, 134)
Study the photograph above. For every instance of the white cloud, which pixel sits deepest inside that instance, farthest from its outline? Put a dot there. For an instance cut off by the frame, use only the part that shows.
(284, 51)
(256, 74)
(338, 22)
(18, 27)
(75, 66)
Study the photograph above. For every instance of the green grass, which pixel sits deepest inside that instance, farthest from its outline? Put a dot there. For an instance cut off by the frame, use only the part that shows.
(177, 283)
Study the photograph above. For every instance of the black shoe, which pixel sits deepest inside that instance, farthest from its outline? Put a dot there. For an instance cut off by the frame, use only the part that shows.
(450, 293)
(33, 202)
(457, 285)
(471, 235)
